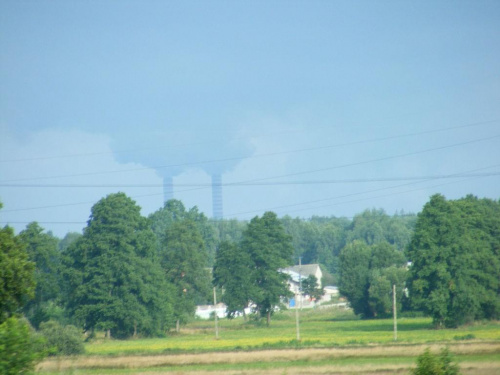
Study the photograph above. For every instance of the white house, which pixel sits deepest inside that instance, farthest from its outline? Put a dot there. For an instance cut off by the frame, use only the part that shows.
(299, 273)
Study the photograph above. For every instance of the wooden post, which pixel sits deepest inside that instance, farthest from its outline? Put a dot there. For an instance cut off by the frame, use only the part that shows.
(394, 312)
(215, 316)
(300, 281)
(297, 316)
(297, 295)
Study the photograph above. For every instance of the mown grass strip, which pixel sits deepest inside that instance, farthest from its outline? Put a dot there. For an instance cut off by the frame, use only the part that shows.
(267, 356)
(356, 364)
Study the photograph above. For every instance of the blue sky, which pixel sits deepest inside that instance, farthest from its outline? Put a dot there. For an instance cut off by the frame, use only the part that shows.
(331, 107)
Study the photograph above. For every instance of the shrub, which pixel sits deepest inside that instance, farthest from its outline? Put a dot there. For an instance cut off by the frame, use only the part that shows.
(469, 336)
(20, 347)
(65, 340)
(431, 364)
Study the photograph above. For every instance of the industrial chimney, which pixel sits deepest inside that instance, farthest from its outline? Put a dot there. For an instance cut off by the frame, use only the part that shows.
(168, 188)
(217, 196)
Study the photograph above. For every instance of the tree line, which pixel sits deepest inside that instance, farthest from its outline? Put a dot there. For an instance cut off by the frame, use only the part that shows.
(131, 275)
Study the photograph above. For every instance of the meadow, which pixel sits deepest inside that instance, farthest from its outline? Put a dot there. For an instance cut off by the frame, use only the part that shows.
(332, 341)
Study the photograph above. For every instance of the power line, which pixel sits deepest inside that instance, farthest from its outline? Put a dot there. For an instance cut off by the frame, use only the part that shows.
(378, 159)
(382, 196)
(300, 209)
(70, 204)
(240, 138)
(257, 183)
(47, 222)
(271, 154)
(347, 196)
(461, 174)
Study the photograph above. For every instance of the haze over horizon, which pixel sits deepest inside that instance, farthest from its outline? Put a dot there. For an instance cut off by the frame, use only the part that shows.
(304, 108)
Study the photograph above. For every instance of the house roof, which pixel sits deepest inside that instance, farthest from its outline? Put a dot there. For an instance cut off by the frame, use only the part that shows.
(294, 276)
(304, 270)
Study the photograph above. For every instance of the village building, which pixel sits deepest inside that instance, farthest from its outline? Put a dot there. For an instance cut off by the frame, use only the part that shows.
(297, 274)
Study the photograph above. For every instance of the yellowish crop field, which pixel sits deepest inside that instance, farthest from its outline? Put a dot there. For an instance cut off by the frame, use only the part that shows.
(331, 342)
(317, 329)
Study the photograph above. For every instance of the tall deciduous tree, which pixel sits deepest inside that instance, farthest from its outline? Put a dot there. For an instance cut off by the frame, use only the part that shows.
(310, 288)
(381, 280)
(375, 226)
(269, 249)
(18, 346)
(68, 239)
(368, 274)
(232, 273)
(455, 255)
(354, 275)
(17, 282)
(115, 280)
(183, 257)
(174, 211)
(42, 250)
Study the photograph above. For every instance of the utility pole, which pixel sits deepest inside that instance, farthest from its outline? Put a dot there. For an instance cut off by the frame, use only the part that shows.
(215, 315)
(394, 312)
(297, 322)
(300, 281)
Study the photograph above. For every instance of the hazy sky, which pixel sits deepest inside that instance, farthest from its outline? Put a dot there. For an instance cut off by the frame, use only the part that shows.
(305, 107)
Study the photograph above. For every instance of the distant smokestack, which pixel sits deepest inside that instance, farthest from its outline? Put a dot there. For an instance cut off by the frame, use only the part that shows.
(217, 196)
(168, 188)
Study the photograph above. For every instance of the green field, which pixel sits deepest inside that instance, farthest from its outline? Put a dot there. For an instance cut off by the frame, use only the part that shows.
(328, 338)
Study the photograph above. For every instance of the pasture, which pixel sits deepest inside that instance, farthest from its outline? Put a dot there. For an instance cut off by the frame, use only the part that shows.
(332, 342)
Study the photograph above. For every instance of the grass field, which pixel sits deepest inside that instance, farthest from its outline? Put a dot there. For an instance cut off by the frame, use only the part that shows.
(331, 342)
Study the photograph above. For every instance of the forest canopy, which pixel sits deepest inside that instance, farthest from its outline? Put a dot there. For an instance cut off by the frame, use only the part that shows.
(130, 275)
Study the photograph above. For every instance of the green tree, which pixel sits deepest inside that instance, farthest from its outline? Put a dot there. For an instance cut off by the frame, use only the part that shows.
(270, 249)
(354, 275)
(20, 347)
(17, 283)
(380, 297)
(310, 288)
(369, 226)
(375, 226)
(368, 274)
(318, 240)
(229, 230)
(115, 280)
(42, 250)
(455, 255)
(431, 364)
(183, 257)
(174, 211)
(384, 255)
(232, 273)
(61, 340)
(68, 239)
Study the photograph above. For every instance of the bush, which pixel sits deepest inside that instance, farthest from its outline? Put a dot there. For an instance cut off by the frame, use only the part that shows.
(65, 340)
(431, 364)
(469, 336)
(20, 347)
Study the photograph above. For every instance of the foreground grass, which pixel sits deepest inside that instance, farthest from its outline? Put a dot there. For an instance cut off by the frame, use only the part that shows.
(332, 342)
